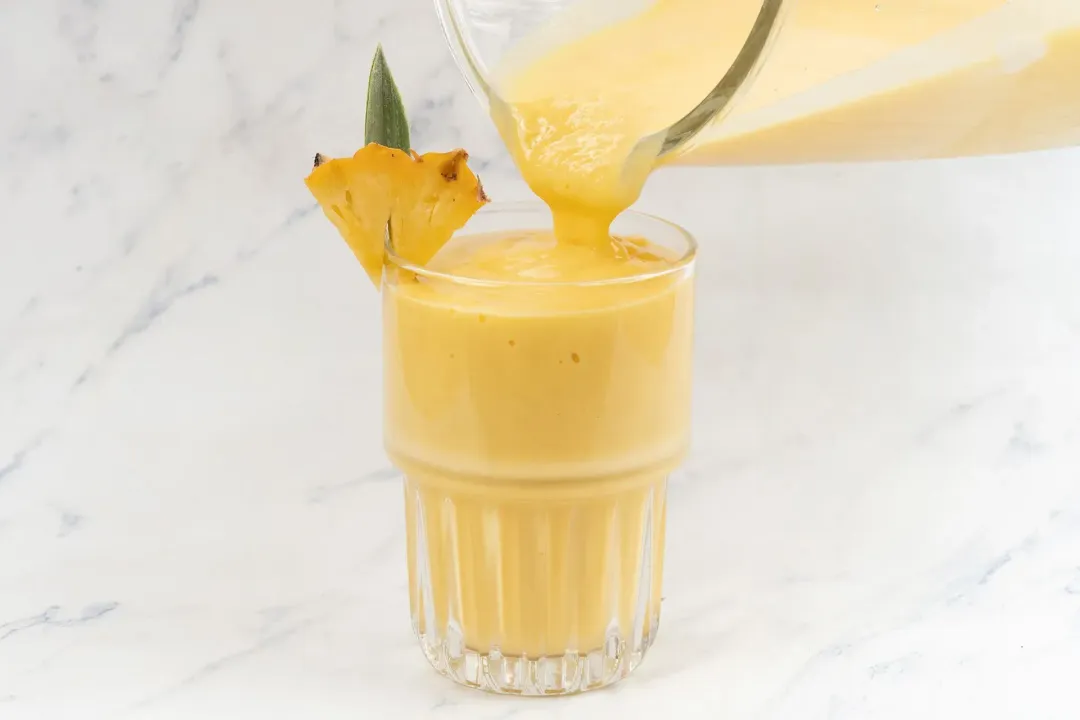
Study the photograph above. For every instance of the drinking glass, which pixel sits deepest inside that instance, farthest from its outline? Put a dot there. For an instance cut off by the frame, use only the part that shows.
(536, 423)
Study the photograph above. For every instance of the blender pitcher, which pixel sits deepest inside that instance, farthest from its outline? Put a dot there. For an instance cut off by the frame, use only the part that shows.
(793, 81)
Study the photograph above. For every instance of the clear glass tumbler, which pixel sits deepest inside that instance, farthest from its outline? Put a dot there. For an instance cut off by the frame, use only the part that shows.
(536, 424)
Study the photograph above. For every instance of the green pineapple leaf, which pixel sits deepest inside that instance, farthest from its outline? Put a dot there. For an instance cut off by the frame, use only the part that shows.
(385, 122)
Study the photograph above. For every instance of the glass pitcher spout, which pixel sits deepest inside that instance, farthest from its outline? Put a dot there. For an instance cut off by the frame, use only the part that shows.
(805, 80)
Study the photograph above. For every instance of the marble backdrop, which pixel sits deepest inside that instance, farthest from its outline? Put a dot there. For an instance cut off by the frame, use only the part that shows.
(880, 519)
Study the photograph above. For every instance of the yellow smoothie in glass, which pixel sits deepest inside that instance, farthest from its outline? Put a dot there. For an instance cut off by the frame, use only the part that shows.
(537, 396)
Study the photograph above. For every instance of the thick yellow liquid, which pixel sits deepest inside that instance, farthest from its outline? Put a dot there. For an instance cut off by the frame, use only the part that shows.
(536, 426)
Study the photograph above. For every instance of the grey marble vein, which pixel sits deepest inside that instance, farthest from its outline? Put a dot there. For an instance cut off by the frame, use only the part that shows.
(324, 493)
(69, 523)
(19, 458)
(184, 14)
(161, 301)
(52, 617)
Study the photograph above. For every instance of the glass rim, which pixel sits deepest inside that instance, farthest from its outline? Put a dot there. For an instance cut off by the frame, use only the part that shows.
(685, 260)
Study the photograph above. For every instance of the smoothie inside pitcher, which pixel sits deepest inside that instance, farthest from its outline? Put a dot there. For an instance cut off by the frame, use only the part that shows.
(839, 80)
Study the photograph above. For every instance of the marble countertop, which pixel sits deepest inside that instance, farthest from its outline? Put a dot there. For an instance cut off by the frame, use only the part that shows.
(880, 519)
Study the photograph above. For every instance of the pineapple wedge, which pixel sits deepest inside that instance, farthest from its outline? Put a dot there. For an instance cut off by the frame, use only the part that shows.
(422, 199)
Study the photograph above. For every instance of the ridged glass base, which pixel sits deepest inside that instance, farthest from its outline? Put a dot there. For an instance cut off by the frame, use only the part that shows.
(535, 588)
(563, 675)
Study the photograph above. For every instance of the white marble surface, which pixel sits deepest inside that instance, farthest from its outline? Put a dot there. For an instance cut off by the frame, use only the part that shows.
(881, 518)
